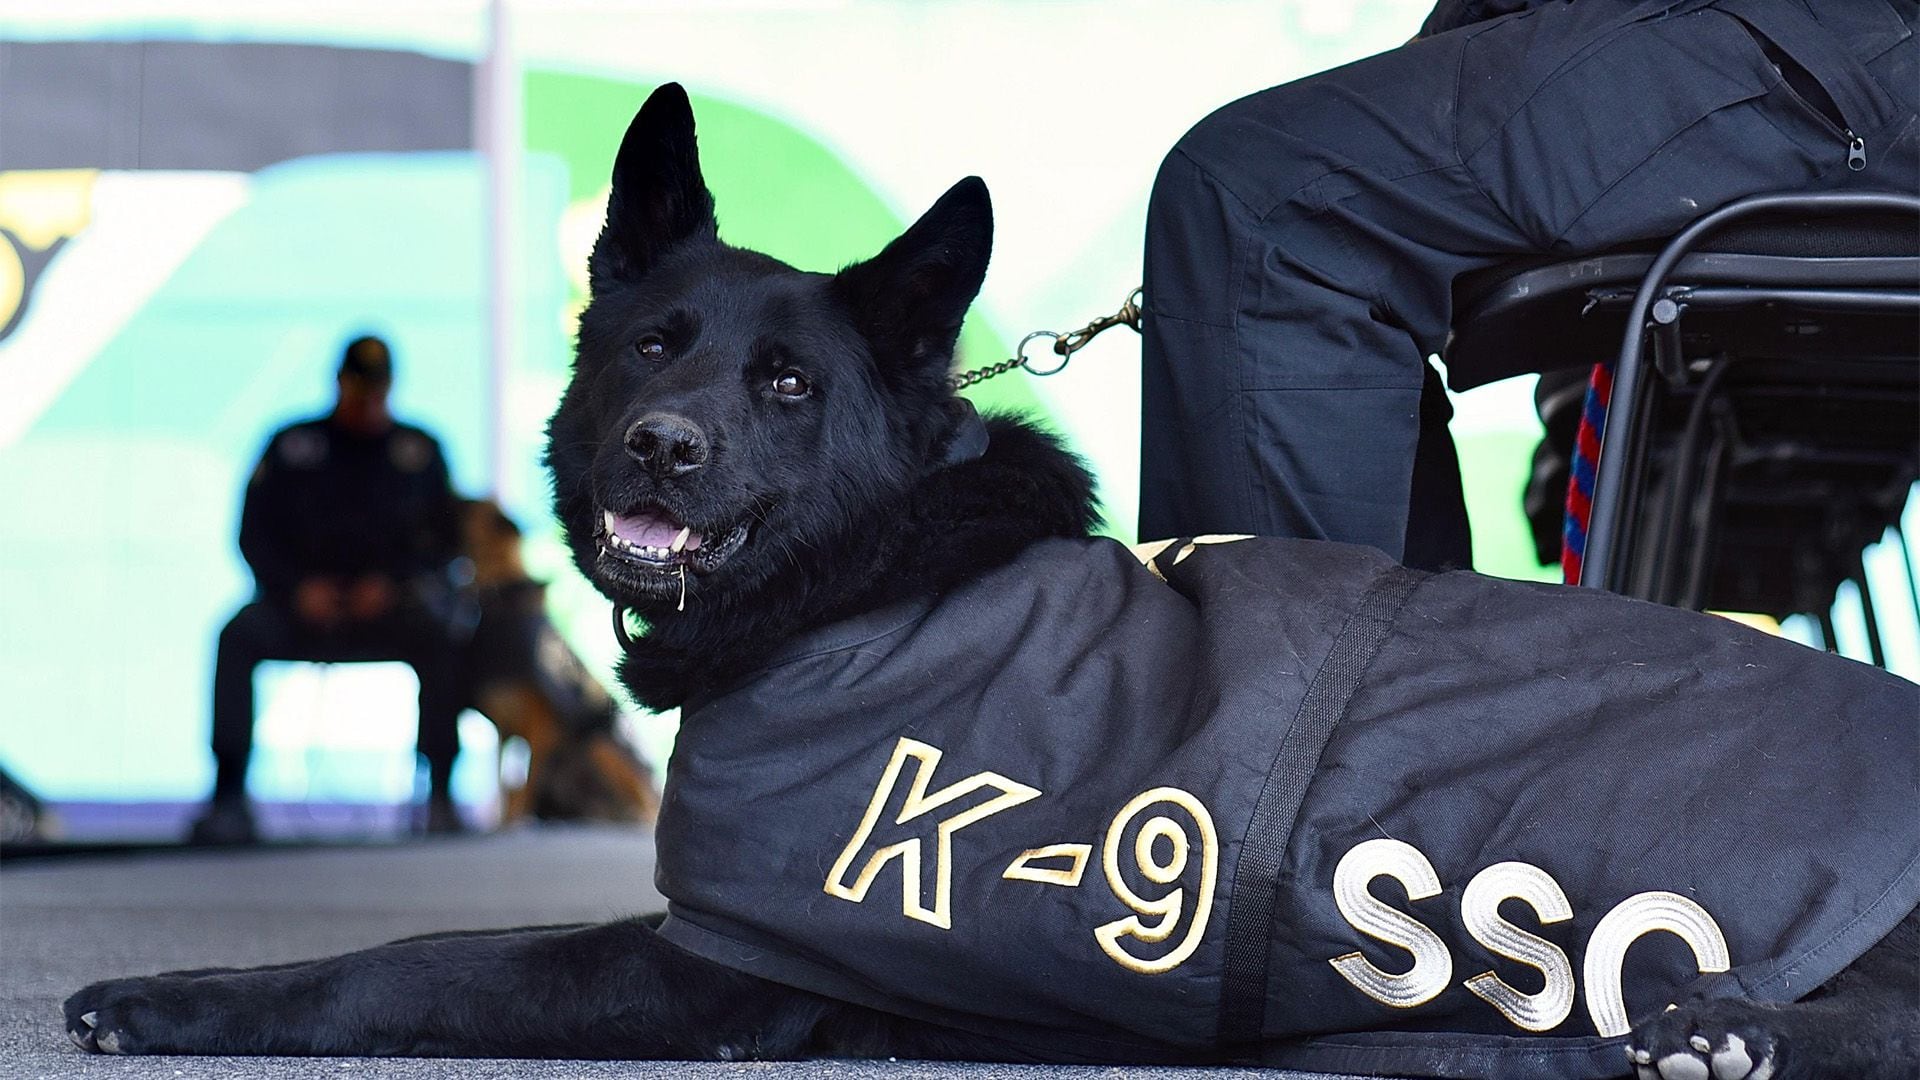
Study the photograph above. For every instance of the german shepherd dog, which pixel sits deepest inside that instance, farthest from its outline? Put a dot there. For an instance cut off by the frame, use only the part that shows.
(748, 452)
(522, 675)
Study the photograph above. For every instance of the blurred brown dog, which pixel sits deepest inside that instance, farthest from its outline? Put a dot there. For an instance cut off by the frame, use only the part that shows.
(523, 677)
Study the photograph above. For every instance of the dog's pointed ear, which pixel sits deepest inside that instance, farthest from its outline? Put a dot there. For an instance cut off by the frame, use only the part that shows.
(911, 298)
(659, 198)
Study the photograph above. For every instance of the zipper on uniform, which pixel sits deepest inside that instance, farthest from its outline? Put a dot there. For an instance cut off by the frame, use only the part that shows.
(1805, 88)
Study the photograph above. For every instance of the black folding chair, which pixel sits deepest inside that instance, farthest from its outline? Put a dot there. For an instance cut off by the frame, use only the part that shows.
(1765, 419)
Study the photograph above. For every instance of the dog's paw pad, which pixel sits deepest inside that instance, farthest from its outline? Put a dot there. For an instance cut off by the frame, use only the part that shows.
(110, 1017)
(89, 1035)
(99, 1038)
(80, 1029)
(1732, 1061)
(1695, 1045)
(1682, 1066)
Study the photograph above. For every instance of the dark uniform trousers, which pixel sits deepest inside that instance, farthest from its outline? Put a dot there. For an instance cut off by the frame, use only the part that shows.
(267, 630)
(1302, 242)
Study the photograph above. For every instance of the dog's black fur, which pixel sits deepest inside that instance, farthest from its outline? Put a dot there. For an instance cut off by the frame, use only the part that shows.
(802, 426)
(846, 512)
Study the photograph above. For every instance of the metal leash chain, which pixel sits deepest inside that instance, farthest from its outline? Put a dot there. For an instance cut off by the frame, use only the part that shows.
(1064, 345)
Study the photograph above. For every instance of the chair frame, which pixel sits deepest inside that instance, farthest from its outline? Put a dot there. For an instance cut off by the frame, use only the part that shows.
(1654, 318)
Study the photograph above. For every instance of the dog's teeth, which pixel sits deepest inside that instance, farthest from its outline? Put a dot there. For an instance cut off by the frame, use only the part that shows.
(608, 520)
(681, 540)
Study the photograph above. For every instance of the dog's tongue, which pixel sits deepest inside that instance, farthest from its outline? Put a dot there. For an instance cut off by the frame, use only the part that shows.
(649, 529)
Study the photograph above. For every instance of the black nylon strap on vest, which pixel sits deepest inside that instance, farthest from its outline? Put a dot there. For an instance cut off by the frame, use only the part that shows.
(1243, 990)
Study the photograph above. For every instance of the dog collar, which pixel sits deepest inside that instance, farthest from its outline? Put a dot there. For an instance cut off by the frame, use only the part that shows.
(969, 439)
(620, 631)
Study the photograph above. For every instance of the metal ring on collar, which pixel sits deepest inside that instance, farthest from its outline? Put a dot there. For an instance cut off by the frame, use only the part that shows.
(1021, 352)
(620, 630)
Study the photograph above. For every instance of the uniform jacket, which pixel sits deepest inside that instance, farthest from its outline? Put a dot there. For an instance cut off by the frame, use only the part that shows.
(1284, 802)
(323, 502)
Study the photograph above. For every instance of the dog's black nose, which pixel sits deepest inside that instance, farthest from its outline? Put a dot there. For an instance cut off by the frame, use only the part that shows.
(666, 444)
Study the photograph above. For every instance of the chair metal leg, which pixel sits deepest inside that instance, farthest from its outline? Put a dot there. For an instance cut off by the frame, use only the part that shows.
(1706, 529)
(1906, 563)
(1605, 557)
(1683, 488)
(1827, 634)
(1875, 650)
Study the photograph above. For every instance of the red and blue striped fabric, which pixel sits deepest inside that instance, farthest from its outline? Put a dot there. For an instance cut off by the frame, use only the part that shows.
(1586, 457)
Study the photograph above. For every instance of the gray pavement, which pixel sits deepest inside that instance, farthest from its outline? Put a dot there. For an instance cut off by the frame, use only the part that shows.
(66, 922)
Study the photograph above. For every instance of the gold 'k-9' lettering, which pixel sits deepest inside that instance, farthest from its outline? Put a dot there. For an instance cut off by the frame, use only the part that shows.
(1176, 852)
(918, 803)
(1154, 920)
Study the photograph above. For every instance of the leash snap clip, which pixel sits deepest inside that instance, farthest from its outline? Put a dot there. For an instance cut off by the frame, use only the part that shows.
(1128, 316)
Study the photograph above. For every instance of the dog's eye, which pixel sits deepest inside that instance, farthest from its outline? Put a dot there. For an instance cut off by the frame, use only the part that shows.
(650, 348)
(791, 384)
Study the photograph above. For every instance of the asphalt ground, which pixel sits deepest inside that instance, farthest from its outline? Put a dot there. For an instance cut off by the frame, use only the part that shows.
(66, 921)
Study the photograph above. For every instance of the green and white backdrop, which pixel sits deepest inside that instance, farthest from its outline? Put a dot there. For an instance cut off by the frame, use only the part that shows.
(200, 202)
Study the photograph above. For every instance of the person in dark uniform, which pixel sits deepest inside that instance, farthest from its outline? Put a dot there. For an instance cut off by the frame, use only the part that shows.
(349, 525)
(1302, 242)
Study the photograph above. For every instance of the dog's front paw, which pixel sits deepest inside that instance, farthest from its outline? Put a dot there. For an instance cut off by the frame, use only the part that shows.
(154, 1015)
(1711, 1040)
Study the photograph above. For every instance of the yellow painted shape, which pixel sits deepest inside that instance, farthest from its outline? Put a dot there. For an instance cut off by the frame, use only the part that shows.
(13, 281)
(41, 206)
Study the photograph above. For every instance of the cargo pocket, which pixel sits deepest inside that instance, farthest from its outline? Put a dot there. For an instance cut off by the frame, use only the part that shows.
(1805, 112)
(1573, 166)
(1824, 91)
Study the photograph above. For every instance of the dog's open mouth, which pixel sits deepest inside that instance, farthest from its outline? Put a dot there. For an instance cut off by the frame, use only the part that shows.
(651, 539)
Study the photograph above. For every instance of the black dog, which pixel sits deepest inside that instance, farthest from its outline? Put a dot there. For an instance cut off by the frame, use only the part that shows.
(844, 574)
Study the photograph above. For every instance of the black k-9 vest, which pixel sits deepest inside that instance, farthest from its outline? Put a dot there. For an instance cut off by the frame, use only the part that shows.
(1283, 802)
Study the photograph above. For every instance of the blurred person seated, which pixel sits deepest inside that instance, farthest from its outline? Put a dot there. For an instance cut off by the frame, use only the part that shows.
(349, 525)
